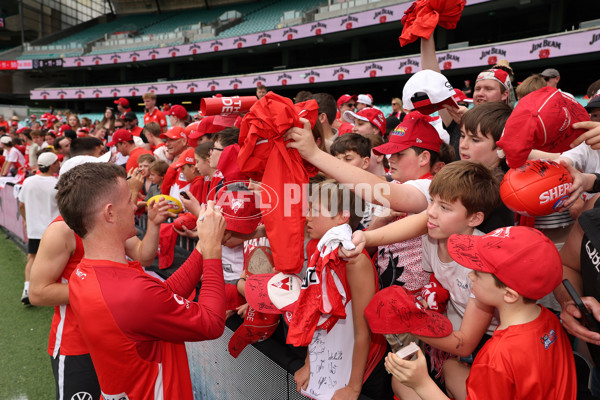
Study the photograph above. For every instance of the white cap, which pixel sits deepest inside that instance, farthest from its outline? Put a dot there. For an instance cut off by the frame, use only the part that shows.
(46, 159)
(429, 90)
(365, 99)
(78, 160)
(5, 139)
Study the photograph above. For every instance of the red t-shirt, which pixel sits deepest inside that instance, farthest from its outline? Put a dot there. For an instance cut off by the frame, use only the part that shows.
(137, 131)
(527, 361)
(135, 325)
(156, 116)
(132, 162)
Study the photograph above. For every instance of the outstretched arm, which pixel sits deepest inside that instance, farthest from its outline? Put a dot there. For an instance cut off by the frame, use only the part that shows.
(365, 184)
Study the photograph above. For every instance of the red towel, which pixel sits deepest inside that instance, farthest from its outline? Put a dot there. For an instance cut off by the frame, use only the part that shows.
(423, 16)
(264, 157)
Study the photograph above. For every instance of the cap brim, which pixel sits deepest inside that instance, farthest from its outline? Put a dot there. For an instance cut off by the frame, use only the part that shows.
(350, 116)
(390, 148)
(463, 250)
(112, 143)
(257, 293)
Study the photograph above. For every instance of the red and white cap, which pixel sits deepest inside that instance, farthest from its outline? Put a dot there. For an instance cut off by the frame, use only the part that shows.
(428, 91)
(240, 208)
(178, 111)
(120, 136)
(187, 157)
(123, 102)
(395, 310)
(273, 293)
(460, 96)
(369, 114)
(345, 98)
(365, 99)
(541, 120)
(513, 254)
(497, 75)
(414, 130)
(176, 132)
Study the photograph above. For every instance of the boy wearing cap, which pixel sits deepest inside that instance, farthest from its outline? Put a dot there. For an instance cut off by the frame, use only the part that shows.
(36, 201)
(178, 115)
(345, 103)
(463, 193)
(14, 158)
(187, 166)
(131, 124)
(593, 107)
(529, 356)
(153, 114)
(363, 101)
(122, 107)
(368, 121)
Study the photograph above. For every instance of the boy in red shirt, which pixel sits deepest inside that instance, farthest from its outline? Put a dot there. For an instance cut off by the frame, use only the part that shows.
(529, 356)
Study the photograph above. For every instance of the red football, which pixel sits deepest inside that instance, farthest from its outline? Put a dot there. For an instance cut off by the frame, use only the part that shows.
(537, 188)
(185, 219)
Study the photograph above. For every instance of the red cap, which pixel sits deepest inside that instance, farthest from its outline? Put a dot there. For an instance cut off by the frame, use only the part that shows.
(273, 293)
(32, 116)
(63, 128)
(497, 75)
(120, 136)
(346, 98)
(123, 102)
(522, 258)
(414, 130)
(187, 157)
(14, 123)
(240, 208)
(395, 310)
(461, 96)
(21, 130)
(370, 114)
(541, 120)
(178, 111)
(176, 132)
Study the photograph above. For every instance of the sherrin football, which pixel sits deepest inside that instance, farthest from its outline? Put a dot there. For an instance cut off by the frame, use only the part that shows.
(174, 204)
(537, 188)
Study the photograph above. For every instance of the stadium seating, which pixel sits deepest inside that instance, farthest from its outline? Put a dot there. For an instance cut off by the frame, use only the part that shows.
(267, 18)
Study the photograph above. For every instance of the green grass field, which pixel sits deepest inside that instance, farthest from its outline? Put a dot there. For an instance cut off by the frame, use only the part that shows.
(25, 371)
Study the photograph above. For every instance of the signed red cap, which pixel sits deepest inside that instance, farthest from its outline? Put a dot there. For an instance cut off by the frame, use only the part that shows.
(395, 310)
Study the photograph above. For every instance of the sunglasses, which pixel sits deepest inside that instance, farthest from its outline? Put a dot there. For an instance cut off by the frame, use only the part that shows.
(210, 149)
(394, 104)
(351, 105)
(547, 78)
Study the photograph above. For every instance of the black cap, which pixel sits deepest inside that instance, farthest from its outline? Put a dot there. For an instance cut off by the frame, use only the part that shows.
(129, 116)
(593, 103)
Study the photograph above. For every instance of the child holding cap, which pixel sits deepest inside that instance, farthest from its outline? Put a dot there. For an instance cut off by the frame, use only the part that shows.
(339, 338)
(463, 193)
(529, 356)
